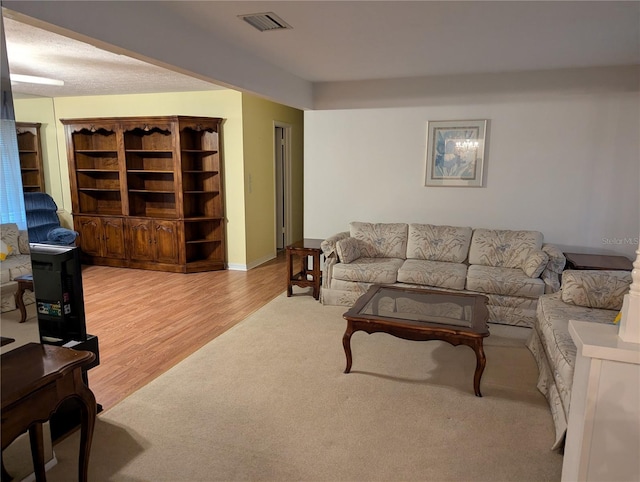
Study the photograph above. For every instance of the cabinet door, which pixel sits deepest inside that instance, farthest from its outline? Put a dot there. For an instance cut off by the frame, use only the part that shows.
(166, 241)
(114, 245)
(140, 239)
(90, 239)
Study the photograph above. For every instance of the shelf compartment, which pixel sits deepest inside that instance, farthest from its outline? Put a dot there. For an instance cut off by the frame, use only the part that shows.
(202, 181)
(106, 180)
(148, 138)
(98, 140)
(152, 204)
(206, 204)
(98, 160)
(150, 181)
(27, 141)
(205, 139)
(209, 251)
(150, 161)
(202, 231)
(93, 201)
(31, 179)
(200, 161)
(29, 160)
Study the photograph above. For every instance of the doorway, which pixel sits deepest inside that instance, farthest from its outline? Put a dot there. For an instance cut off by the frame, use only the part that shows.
(282, 173)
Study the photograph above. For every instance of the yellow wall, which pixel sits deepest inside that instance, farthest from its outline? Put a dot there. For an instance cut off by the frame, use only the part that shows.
(220, 103)
(248, 152)
(259, 117)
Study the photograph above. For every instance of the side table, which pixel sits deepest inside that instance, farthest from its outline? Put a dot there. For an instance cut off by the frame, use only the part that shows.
(597, 261)
(35, 380)
(25, 282)
(307, 248)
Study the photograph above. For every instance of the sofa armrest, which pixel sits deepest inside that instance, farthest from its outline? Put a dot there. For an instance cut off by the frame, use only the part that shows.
(328, 247)
(553, 270)
(600, 289)
(23, 242)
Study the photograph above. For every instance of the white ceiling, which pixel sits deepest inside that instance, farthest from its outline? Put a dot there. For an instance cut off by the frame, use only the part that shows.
(353, 40)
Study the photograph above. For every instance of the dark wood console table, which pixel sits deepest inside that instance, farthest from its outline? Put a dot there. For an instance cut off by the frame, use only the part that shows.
(36, 379)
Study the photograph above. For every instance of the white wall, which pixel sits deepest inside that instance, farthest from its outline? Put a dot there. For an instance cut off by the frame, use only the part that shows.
(564, 162)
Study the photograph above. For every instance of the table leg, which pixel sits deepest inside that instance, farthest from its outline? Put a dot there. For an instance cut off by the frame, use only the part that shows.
(481, 362)
(37, 451)
(20, 302)
(316, 275)
(87, 424)
(346, 343)
(289, 273)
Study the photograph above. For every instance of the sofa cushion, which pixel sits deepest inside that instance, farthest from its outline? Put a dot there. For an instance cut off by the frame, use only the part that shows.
(369, 270)
(502, 248)
(595, 288)
(535, 263)
(552, 325)
(433, 273)
(503, 281)
(380, 240)
(438, 243)
(348, 250)
(9, 234)
(15, 266)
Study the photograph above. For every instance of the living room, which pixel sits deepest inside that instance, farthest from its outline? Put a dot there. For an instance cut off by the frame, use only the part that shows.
(561, 158)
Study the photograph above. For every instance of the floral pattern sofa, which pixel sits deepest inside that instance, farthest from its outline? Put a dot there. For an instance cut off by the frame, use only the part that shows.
(594, 296)
(16, 262)
(512, 268)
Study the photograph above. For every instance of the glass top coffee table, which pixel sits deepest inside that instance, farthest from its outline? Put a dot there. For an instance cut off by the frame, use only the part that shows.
(420, 314)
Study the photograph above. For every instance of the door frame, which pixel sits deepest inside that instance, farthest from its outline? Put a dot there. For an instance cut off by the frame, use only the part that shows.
(286, 182)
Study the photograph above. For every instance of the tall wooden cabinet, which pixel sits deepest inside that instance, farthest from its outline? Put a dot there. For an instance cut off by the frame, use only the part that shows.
(30, 153)
(147, 191)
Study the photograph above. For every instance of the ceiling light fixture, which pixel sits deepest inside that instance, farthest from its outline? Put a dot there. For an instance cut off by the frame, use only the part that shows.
(32, 79)
(265, 21)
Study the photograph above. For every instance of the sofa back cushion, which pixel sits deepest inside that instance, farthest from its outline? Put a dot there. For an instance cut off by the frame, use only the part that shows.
(380, 240)
(503, 248)
(438, 243)
(595, 288)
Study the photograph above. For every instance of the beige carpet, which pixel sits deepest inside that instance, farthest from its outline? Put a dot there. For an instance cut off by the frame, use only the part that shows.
(268, 400)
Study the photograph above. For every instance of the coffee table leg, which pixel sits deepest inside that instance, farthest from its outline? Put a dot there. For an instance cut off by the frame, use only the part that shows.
(346, 343)
(481, 362)
(20, 302)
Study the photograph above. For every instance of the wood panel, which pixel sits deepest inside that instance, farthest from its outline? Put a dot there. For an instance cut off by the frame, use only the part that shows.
(147, 321)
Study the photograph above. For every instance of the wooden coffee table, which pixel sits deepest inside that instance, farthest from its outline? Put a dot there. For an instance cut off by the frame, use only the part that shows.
(419, 314)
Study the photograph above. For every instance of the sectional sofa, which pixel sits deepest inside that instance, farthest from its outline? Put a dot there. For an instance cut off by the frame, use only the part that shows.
(594, 296)
(512, 268)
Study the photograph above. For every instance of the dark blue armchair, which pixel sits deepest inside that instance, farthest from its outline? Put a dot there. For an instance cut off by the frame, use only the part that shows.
(43, 224)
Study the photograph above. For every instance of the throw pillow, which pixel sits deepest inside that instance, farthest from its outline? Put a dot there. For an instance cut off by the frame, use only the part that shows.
(348, 250)
(535, 263)
(595, 288)
(9, 234)
(5, 250)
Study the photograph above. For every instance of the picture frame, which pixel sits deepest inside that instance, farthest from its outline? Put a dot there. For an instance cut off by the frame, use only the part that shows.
(456, 153)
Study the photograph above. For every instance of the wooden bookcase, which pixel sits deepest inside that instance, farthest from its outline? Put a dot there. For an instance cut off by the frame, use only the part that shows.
(147, 191)
(30, 152)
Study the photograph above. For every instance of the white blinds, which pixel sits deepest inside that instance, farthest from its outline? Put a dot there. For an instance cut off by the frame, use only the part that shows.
(11, 196)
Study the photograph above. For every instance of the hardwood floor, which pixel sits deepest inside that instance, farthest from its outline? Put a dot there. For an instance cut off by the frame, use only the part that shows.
(147, 321)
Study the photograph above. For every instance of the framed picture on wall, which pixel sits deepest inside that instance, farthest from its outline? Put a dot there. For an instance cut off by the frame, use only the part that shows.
(456, 153)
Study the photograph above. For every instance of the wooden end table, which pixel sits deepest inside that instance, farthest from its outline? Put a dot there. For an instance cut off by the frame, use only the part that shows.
(597, 261)
(307, 248)
(35, 380)
(420, 314)
(25, 282)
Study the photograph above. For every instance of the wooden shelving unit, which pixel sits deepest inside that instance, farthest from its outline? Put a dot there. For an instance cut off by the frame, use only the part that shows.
(30, 152)
(159, 178)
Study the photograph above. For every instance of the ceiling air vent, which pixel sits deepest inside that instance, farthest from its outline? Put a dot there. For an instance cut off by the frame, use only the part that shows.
(265, 21)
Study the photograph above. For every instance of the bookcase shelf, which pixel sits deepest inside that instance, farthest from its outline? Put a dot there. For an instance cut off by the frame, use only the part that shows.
(30, 153)
(157, 177)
